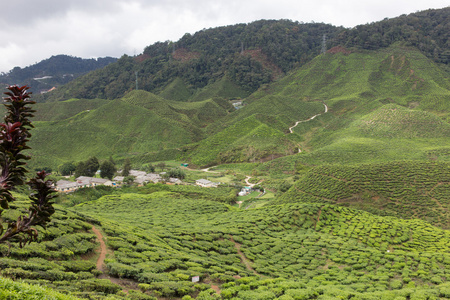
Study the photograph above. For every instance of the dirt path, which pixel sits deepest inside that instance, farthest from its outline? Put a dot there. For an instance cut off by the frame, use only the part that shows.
(101, 258)
(207, 170)
(243, 258)
(216, 288)
(312, 118)
(247, 181)
(126, 284)
(318, 217)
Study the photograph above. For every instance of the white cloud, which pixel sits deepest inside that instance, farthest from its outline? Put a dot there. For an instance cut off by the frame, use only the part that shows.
(31, 31)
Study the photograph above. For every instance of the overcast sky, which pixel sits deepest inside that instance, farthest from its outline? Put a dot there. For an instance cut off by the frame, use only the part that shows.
(33, 30)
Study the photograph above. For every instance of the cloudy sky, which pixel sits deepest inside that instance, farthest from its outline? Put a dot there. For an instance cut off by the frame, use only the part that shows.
(33, 30)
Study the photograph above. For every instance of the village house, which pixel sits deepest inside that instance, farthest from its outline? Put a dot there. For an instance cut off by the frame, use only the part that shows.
(153, 177)
(119, 179)
(66, 186)
(173, 181)
(137, 173)
(205, 183)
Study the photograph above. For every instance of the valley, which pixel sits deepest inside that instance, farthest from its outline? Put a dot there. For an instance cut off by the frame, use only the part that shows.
(348, 151)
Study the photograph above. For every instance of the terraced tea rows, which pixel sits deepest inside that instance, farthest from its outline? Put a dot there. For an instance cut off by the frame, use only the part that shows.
(172, 239)
(402, 189)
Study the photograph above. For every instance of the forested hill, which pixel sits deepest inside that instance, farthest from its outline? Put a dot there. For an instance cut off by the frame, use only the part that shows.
(426, 30)
(54, 71)
(254, 54)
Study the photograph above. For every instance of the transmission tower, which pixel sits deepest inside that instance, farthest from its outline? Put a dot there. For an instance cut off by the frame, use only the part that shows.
(136, 73)
(324, 44)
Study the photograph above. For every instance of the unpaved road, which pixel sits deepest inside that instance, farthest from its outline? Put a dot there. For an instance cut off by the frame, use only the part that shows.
(312, 118)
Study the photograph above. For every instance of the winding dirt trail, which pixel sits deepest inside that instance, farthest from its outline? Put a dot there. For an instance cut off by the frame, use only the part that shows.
(312, 118)
(208, 171)
(247, 181)
(101, 258)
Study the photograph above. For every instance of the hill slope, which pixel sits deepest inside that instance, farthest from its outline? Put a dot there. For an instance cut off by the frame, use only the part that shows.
(358, 124)
(341, 101)
(161, 240)
(256, 53)
(140, 123)
(402, 189)
(53, 72)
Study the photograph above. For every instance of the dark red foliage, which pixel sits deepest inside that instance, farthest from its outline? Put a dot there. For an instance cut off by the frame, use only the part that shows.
(14, 135)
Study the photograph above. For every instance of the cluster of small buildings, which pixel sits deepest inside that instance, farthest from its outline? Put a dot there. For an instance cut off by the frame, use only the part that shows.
(81, 182)
(140, 178)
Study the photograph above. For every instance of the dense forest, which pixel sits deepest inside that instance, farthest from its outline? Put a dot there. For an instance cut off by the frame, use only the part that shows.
(54, 71)
(256, 53)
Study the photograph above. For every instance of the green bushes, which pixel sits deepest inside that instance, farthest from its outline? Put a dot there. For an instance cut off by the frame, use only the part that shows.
(15, 290)
(395, 188)
(290, 251)
(99, 285)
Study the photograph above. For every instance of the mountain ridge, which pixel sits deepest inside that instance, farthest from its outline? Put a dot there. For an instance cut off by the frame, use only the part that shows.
(253, 54)
(53, 72)
(352, 91)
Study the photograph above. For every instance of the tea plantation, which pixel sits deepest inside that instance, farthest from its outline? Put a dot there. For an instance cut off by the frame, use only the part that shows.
(354, 202)
(160, 237)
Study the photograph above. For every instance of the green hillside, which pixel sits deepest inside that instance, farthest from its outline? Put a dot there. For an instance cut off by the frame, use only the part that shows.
(162, 236)
(253, 54)
(60, 265)
(402, 189)
(390, 132)
(176, 90)
(58, 111)
(356, 118)
(362, 122)
(394, 121)
(397, 74)
(224, 88)
(247, 140)
(138, 124)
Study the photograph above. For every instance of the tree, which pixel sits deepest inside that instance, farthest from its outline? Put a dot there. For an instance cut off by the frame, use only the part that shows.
(79, 169)
(176, 173)
(47, 170)
(149, 168)
(87, 168)
(91, 166)
(66, 168)
(126, 168)
(107, 169)
(14, 135)
(129, 180)
(161, 165)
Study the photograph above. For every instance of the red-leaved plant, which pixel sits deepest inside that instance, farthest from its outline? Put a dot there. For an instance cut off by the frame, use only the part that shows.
(14, 135)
